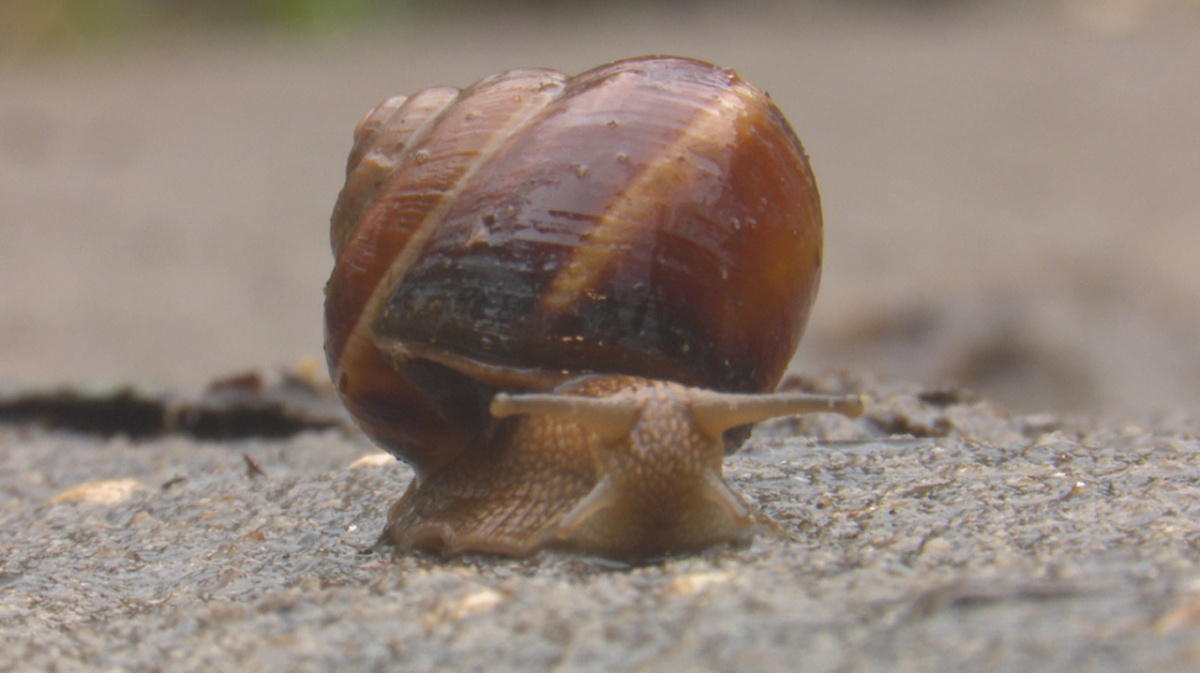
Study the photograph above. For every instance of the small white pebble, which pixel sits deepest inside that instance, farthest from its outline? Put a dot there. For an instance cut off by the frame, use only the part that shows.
(695, 583)
(473, 604)
(98, 492)
(374, 459)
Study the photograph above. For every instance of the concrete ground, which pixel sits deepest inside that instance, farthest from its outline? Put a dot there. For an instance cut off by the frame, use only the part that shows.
(937, 533)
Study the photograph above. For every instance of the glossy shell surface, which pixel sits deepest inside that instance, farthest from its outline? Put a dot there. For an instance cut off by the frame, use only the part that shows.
(654, 217)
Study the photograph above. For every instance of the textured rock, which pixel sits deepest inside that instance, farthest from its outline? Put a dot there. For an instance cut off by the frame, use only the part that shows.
(977, 539)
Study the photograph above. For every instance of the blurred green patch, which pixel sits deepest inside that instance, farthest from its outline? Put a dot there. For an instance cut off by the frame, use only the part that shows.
(26, 23)
(47, 22)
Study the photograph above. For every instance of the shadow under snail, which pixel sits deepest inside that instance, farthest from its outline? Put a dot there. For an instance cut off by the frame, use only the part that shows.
(564, 300)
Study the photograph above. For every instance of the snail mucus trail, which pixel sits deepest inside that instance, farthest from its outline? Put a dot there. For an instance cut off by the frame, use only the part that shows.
(561, 299)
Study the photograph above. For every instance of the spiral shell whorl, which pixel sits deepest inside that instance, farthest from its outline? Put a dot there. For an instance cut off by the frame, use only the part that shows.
(380, 141)
(654, 217)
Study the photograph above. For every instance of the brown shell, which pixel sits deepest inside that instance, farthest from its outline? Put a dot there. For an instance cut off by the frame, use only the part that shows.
(654, 217)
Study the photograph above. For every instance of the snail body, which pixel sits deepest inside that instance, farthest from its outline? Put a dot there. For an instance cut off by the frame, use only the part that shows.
(541, 280)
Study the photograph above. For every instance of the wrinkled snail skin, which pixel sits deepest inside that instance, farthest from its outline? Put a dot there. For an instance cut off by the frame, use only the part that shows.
(602, 251)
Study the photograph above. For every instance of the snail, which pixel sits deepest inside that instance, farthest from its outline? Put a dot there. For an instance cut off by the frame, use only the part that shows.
(564, 300)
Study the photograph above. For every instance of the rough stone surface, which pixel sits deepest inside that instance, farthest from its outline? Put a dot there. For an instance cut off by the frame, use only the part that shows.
(975, 540)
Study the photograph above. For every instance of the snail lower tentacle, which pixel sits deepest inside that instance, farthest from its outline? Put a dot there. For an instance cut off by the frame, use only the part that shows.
(613, 465)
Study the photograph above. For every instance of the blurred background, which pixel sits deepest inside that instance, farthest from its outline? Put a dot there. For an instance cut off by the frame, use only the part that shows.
(1011, 188)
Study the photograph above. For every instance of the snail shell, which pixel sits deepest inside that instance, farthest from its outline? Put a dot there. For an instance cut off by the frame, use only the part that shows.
(645, 232)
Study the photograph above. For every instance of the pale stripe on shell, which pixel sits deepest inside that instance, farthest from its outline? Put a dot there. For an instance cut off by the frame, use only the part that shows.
(629, 212)
(539, 97)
